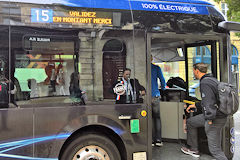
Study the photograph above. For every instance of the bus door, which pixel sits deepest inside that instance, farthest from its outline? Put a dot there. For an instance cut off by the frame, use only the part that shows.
(227, 62)
(168, 53)
(175, 55)
(203, 52)
(217, 54)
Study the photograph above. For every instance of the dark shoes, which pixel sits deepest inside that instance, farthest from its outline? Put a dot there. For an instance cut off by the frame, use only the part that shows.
(190, 152)
(157, 143)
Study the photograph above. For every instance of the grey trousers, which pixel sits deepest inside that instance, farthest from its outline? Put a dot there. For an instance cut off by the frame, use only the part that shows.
(213, 133)
(156, 120)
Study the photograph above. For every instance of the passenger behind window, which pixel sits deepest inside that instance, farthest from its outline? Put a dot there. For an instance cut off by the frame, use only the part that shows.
(4, 100)
(60, 80)
(7, 87)
(128, 90)
(32, 85)
(13, 92)
(51, 76)
(55, 79)
(4, 92)
(18, 94)
(76, 94)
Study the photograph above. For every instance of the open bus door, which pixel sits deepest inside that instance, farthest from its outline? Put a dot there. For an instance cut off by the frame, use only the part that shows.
(233, 78)
(176, 54)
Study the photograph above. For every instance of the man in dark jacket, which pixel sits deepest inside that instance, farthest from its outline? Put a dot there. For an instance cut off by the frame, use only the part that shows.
(128, 90)
(212, 119)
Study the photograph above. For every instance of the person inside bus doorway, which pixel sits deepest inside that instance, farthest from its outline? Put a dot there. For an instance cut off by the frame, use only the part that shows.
(156, 73)
(212, 119)
(132, 89)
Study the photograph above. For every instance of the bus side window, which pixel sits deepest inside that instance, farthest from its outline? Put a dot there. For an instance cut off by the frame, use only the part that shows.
(44, 79)
(42, 74)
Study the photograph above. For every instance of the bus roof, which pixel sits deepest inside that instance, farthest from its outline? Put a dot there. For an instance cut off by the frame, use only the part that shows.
(77, 2)
(175, 6)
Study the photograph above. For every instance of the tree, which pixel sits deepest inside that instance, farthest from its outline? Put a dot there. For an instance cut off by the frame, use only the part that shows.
(233, 13)
(234, 9)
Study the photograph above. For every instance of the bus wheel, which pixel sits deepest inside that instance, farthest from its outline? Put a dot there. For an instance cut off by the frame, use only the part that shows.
(91, 147)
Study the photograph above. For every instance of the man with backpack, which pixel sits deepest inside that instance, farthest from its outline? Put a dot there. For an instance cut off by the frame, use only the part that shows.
(212, 118)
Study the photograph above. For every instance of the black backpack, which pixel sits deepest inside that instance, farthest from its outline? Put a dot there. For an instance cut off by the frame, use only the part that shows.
(228, 100)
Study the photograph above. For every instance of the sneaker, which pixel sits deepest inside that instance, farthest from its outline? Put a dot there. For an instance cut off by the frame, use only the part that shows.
(159, 143)
(190, 152)
(153, 144)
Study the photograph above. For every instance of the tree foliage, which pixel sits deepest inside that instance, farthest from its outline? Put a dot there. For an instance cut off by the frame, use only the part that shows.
(234, 9)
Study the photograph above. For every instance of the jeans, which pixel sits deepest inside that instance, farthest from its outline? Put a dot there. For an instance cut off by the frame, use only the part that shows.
(156, 120)
(213, 133)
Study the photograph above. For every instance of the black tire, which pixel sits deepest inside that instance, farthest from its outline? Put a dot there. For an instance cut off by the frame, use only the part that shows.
(90, 140)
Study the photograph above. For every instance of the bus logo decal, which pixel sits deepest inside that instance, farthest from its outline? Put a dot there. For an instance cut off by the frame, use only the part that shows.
(171, 7)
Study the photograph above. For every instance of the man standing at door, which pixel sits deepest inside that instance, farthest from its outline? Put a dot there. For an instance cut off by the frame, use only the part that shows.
(156, 73)
(212, 119)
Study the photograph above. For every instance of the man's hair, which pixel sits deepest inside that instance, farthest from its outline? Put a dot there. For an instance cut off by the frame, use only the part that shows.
(126, 69)
(202, 67)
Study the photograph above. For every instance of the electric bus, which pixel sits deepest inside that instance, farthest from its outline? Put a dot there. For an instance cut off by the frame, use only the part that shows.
(50, 48)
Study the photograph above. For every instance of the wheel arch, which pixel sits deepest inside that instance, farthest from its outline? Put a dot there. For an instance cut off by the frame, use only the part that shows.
(98, 129)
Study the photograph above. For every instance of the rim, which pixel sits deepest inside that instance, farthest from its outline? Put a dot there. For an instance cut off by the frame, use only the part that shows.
(91, 153)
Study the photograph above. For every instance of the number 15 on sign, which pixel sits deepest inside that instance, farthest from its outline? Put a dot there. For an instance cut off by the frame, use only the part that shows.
(41, 15)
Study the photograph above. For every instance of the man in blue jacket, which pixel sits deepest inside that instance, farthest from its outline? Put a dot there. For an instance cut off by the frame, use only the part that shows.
(212, 119)
(156, 73)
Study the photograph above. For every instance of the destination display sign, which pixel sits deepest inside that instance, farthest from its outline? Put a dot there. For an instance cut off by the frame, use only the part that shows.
(39, 15)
